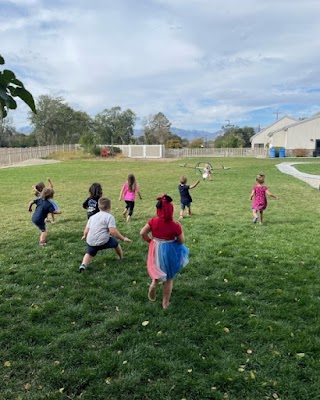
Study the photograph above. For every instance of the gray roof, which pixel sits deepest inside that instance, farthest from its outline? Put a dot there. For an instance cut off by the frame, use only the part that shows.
(269, 126)
(304, 121)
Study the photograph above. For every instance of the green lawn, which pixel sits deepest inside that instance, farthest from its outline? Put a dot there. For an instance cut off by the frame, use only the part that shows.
(312, 168)
(244, 317)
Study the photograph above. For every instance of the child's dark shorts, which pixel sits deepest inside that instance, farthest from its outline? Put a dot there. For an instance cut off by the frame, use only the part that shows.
(41, 225)
(111, 244)
(183, 206)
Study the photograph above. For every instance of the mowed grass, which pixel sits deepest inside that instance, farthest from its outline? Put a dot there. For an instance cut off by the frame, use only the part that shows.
(309, 167)
(244, 318)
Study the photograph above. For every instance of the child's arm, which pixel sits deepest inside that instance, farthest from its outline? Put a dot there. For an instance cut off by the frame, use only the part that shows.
(36, 191)
(139, 194)
(272, 195)
(144, 233)
(114, 232)
(50, 182)
(85, 233)
(195, 184)
(57, 212)
(85, 204)
(30, 205)
(251, 195)
(121, 193)
(180, 238)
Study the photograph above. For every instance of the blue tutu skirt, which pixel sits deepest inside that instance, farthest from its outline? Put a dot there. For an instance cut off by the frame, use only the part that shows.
(166, 258)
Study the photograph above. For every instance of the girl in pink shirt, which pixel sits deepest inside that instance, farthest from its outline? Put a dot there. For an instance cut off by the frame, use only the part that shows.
(128, 194)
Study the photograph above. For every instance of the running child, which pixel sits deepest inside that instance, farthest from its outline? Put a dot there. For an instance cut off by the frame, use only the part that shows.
(100, 233)
(259, 195)
(207, 172)
(128, 194)
(44, 207)
(185, 198)
(38, 188)
(91, 204)
(167, 254)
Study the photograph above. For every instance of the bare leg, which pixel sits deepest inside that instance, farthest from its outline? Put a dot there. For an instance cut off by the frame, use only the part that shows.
(255, 216)
(52, 218)
(167, 290)
(189, 211)
(261, 217)
(152, 290)
(181, 214)
(128, 218)
(124, 212)
(86, 259)
(119, 251)
(43, 237)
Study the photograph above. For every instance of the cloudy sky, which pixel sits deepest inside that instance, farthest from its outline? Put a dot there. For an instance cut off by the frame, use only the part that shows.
(200, 62)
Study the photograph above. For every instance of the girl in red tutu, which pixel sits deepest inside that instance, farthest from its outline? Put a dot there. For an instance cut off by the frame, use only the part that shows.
(167, 253)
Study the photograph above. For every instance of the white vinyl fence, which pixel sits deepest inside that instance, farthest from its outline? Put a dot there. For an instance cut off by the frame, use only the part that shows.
(141, 151)
(217, 152)
(15, 155)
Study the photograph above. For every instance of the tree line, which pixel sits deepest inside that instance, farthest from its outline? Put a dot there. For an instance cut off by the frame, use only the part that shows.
(53, 121)
(56, 122)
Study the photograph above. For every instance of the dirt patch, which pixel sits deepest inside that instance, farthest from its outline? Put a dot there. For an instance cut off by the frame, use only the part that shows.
(28, 163)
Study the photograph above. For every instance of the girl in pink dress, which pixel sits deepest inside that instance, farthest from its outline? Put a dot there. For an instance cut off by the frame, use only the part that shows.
(128, 194)
(259, 195)
(167, 253)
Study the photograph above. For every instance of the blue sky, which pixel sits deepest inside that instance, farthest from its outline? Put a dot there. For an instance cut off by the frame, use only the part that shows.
(200, 62)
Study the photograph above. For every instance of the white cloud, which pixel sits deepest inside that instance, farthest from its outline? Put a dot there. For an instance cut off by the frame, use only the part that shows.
(198, 61)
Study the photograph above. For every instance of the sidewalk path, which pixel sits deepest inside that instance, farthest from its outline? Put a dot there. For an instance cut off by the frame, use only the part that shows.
(287, 168)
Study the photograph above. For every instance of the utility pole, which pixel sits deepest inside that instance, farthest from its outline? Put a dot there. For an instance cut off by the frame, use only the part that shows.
(277, 113)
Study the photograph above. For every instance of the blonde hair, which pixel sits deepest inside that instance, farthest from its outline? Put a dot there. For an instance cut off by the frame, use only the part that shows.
(260, 179)
(104, 204)
(183, 179)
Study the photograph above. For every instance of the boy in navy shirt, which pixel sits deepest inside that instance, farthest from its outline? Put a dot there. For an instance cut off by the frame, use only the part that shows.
(185, 198)
(44, 207)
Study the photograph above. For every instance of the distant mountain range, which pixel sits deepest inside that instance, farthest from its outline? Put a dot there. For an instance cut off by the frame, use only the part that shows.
(187, 134)
(184, 133)
(194, 134)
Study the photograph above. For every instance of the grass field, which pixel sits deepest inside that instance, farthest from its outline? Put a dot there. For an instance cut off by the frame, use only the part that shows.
(244, 319)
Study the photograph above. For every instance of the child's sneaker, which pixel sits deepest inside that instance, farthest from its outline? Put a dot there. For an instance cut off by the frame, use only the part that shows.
(42, 243)
(82, 268)
(255, 219)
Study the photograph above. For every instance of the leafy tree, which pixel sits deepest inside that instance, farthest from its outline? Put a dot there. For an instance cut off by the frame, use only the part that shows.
(114, 126)
(57, 123)
(157, 129)
(185, 142)
(196, 143)
(173, 144)
(234, 136)
(11, 87)
(7, 132)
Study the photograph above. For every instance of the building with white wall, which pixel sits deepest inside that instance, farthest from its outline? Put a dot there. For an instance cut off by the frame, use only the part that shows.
(262, 138)
(303, 134)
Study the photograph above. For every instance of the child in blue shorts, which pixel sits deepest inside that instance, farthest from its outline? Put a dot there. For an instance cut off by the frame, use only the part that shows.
(185, 198)
(100, 233)
(44, 207)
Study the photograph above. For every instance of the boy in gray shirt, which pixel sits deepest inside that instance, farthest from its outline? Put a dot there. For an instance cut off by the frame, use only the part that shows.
(100, 233)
